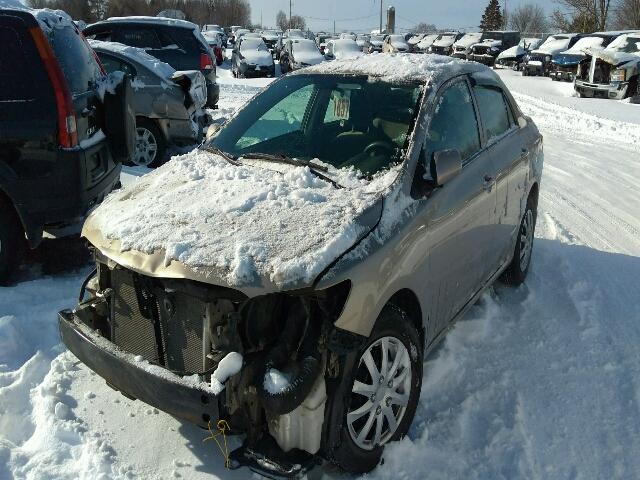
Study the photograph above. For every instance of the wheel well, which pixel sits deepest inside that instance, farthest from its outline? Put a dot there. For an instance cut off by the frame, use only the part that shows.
(408, 302)
(533, 194)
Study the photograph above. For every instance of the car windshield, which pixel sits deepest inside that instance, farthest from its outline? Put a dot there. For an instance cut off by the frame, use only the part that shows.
(295, 34)
(76, 58)
(250, 44)
(491, 36)
(341, 121)
(377, 38)
(626, 44)
(347, 46)
(305, 46)
(396, 38)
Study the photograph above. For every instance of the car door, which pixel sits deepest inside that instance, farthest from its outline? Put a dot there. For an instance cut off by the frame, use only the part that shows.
(460, 214)
(506, 145)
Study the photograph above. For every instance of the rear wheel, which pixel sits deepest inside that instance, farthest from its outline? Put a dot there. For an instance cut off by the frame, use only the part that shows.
(378, 394)
(12, 243)
(633, 90)
(150, 144)
(517, 271)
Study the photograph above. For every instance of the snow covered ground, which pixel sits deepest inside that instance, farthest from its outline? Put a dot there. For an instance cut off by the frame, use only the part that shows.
(537, 382)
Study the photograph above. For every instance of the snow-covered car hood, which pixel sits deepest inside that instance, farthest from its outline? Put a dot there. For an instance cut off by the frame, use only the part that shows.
(308, 58)
(468, 40)
(551, 47)
(613, 57)
(258, 57)
(445, 42)
(258, 227)
(512, 52)
(400, 45)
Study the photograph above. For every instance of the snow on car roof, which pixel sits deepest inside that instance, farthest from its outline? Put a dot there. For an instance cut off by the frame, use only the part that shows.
(47, 18)
(153, 20)
(138, 55)
(397, 67)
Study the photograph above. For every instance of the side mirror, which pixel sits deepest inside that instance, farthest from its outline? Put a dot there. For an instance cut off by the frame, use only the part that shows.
(448, 164)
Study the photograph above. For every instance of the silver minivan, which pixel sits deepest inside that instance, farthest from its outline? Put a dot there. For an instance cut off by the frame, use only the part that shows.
(291, 275)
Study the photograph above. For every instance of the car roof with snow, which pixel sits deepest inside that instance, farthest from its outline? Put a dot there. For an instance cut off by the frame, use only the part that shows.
(399, 67)
(137, 55)
(149, 20)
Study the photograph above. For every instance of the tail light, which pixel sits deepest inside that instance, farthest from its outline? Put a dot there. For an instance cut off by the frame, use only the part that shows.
(67, 129)
(206, 63)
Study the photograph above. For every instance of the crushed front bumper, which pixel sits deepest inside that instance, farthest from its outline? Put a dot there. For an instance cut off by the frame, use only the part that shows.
(615, 91)
(151, 384)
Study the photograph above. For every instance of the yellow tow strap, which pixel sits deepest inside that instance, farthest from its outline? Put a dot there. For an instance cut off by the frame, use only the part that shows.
(223, 428)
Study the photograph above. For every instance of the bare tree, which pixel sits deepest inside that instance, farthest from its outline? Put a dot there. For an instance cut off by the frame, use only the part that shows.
(583, 15)
(423, 27)
(282, 21)
(628, 15)
(528, 17)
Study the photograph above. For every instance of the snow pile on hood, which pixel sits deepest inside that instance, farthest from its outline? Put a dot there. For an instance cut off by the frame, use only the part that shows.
(553, 45)
(468, 40)
(519, 49)
(586, 42)
(139, 55)
(396, 67)
(445, 41)
(252, 225)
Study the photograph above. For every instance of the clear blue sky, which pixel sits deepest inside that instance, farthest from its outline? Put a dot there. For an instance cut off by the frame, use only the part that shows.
(442, 13)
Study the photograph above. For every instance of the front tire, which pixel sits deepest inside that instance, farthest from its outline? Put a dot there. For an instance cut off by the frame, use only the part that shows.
(12, 243)
(517, 271)
(377, 394)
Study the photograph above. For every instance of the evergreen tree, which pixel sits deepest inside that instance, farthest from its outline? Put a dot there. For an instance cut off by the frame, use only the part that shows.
(492, 18)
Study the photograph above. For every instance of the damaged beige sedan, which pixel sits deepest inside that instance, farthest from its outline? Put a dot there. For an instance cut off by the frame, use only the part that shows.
(291, 275)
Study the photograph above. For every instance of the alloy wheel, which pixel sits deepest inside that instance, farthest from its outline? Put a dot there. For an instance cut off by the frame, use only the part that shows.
(146, 147)
(526, 239)
(380, 393)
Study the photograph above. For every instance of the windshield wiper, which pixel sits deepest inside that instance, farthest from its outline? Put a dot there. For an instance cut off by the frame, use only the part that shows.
(313, 167)
(227, 156)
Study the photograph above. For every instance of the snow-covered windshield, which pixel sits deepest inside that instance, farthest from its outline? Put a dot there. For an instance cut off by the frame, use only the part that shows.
(295, 34)
(377, 38)
(585, 43)
(341, 121)
(252, 44)
(626, 44)
(346, 46)
(305, 46)
(396, 39)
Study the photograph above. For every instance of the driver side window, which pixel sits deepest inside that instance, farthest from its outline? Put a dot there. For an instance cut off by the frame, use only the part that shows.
(454, 124)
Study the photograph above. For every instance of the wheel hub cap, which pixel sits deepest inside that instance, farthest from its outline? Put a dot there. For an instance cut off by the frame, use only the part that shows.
(380, 393)
(526, 239)
(146, 147)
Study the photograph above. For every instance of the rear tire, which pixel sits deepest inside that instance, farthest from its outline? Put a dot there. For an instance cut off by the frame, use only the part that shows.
(517, 271)
(345, 443)
(634, 90)
(150, 144)
(12, 243)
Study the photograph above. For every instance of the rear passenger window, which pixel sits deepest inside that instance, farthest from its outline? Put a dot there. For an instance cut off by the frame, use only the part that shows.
(454, 124)
(137, 37)
(493, 111)
(15, 81)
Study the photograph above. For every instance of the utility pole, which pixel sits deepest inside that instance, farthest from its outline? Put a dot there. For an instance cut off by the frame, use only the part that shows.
(290, 9)
(380, 32)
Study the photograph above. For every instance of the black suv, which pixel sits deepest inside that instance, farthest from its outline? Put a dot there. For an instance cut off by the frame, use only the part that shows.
(176, 42)
(491, 45)
(59, 156)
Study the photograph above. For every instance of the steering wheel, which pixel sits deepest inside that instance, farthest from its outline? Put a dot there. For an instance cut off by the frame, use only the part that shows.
(379, 145)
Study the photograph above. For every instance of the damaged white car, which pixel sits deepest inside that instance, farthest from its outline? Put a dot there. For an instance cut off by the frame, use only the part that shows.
(291, 275)
(612, 72)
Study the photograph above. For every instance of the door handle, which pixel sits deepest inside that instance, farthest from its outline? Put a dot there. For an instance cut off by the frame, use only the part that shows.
(488, 183)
